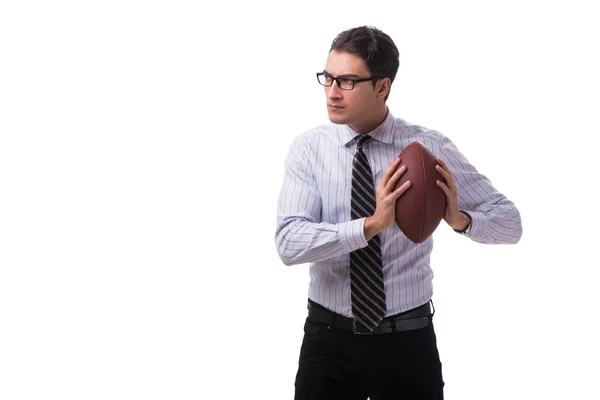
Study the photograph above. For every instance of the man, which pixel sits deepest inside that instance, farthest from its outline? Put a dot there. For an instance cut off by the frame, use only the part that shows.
(369, 330)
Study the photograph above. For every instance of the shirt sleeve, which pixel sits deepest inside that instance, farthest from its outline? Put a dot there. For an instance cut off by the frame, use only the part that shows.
(301, 236)
(495, 219)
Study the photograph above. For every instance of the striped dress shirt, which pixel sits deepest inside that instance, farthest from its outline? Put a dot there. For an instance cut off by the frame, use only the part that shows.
(313, 216)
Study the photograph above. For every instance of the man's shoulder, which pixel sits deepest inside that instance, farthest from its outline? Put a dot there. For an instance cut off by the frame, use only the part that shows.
(328, 131)
(417, 131)
(322, 129)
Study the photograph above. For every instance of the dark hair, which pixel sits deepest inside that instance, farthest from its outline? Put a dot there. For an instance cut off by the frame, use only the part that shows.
(372, 45)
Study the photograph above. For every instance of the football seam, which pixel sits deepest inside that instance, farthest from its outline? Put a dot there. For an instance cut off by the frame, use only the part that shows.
(424, 193)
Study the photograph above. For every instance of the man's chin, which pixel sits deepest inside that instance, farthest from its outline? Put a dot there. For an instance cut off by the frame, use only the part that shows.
(337, 119)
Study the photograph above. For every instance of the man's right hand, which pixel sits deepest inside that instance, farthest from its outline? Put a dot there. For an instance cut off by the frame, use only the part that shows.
(386, 197)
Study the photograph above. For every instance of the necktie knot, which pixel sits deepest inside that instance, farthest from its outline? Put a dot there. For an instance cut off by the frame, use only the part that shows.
(362, 140)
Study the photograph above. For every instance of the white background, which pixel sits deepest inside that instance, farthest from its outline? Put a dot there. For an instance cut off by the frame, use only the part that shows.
(141, 156)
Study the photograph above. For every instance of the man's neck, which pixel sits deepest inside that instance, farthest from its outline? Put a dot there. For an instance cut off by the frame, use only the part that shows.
(372, 123)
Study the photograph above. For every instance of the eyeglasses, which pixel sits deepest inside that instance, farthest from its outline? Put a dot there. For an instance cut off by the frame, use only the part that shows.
(343, 82)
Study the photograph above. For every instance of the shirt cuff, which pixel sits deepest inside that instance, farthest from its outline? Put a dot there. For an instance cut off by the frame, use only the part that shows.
(352, 235)
(466, 229)
(477, 227)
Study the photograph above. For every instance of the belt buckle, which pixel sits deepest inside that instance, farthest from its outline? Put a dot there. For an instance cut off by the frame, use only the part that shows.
(362, 333)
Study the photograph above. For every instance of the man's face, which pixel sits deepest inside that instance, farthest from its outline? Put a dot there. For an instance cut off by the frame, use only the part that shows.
(349, 106)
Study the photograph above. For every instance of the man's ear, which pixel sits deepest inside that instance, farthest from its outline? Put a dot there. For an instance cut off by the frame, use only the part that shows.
(383, 87)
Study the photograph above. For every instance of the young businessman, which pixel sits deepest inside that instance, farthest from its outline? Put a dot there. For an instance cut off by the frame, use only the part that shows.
(369, 330)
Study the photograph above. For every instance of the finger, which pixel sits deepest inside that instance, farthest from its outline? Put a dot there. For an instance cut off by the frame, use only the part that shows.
(446, 175)
(403, 188)
(391, 168)
(445, 188)
(442, 163)
(393, 181)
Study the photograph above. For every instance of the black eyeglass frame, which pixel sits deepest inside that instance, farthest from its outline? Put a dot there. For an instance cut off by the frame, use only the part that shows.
(337, 79)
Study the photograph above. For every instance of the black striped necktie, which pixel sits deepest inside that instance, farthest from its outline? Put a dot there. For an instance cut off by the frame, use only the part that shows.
(366, 273)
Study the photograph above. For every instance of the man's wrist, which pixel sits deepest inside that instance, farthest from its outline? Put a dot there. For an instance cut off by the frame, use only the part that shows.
(372, 227)
(466, 226)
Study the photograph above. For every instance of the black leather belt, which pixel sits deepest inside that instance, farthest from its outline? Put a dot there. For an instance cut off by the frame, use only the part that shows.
(416, 318)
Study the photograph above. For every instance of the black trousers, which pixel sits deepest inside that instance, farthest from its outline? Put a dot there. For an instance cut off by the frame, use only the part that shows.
(337, 364)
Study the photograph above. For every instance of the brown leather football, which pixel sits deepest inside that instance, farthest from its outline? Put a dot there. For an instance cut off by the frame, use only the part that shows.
(420, 209)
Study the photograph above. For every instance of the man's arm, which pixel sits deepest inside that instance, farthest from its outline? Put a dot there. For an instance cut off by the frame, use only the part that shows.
(301, 236)
(493, 219)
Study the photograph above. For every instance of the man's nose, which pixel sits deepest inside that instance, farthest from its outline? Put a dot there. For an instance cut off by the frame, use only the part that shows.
(334, 91)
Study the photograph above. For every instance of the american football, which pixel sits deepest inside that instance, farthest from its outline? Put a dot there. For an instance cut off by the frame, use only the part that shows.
(420, 209)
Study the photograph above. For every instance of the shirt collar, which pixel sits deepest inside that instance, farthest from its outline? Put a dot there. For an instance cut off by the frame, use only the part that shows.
(383, 132)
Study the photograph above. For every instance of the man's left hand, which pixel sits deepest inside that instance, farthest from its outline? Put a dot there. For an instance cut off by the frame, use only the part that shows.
(453, 216)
